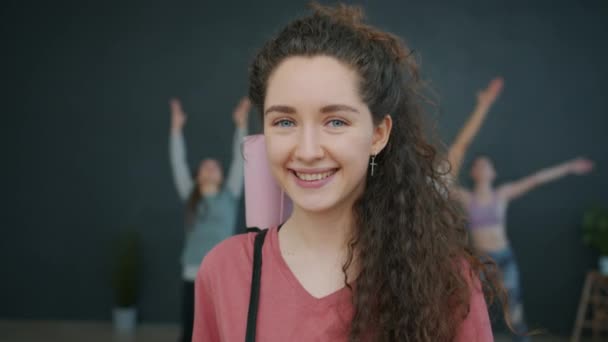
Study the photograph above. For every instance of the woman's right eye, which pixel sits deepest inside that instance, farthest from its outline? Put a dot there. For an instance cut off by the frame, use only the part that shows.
(283, 123)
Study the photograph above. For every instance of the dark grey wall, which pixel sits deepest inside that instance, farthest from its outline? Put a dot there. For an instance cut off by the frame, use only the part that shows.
(86, 123)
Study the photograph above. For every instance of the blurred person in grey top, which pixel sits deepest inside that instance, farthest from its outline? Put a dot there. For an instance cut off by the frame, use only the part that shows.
(212, 204)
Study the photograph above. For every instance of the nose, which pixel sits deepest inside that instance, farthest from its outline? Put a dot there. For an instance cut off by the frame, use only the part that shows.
(309, 147)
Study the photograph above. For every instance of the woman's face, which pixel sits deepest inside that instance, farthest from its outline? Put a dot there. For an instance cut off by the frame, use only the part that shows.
(319, 133)
(210, 173)
(483, 170)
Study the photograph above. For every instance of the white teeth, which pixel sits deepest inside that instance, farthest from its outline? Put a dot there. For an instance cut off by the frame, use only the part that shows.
(314, 176)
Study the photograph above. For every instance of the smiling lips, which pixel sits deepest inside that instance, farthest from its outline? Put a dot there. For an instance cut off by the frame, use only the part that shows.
(313, 178)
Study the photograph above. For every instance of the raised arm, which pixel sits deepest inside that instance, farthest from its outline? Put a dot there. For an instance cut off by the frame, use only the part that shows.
(234, 182)
(177, 151)
(518, 188)
(485, 99)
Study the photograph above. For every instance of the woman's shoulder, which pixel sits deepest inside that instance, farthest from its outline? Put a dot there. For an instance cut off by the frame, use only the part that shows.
(470, 273)
(235, 250)
(227, 195)
(234, 253)
(476, 325)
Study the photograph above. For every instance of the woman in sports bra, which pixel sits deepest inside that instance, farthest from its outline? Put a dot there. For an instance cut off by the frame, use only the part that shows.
(486, 204)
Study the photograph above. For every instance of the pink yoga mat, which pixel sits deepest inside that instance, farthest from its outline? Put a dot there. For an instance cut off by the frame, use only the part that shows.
(266, 204)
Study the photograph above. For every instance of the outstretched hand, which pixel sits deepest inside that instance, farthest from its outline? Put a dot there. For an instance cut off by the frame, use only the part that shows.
(241, 112)
(178, 117)
(488, 95)
(581, 166)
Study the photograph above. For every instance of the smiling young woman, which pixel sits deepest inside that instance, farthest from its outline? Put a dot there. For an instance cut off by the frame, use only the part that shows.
(373, 250)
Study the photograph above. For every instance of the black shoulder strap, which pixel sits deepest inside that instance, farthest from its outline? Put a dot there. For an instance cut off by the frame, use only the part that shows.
(254, 297)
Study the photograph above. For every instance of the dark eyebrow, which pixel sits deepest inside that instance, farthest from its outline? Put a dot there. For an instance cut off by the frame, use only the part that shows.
(280, 109)
(327, 109)
(338, 108)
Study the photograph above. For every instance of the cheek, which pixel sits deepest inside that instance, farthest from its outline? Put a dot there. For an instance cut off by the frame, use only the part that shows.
(278, 151)
(352, 152)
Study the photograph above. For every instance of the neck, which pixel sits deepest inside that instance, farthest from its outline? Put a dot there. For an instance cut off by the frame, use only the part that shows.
(324, 231)
(484, 187)
(209, 189)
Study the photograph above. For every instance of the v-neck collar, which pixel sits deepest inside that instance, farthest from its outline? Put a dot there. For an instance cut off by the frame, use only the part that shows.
(331, 299)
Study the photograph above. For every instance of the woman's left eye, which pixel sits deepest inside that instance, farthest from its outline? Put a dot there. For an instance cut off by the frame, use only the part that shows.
(336, 123)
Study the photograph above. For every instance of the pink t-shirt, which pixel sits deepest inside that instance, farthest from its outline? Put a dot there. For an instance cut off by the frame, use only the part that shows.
(287, 312)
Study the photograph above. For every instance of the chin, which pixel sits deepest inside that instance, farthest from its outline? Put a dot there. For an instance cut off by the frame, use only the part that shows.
(313, 206)
(323, 201)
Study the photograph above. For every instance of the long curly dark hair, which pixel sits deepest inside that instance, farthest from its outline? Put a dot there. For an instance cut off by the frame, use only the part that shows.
(410, 239)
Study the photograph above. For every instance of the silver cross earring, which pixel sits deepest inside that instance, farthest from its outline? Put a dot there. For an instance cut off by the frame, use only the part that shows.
(373, 164)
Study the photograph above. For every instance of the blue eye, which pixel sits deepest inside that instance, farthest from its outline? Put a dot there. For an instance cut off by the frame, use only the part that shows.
(337, 123)
(284, 123)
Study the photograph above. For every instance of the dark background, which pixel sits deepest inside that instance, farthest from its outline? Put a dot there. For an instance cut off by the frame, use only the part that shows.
(86, 126)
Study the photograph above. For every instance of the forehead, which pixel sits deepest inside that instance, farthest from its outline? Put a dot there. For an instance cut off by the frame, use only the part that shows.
(209, 162)
(482, 161)
(301, 81)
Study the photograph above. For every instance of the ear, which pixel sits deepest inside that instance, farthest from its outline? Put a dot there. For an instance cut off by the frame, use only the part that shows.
(382, 132)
